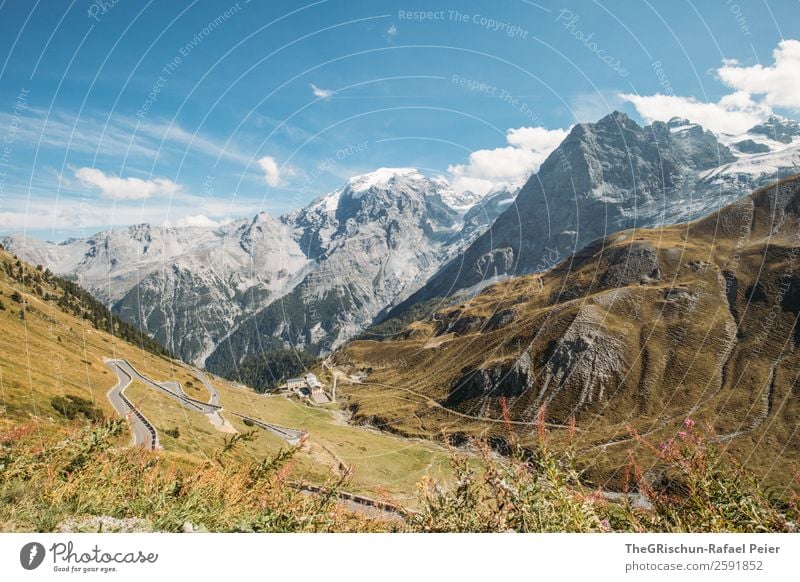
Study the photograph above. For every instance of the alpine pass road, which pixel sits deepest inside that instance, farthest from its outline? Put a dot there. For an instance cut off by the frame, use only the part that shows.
(144, 433)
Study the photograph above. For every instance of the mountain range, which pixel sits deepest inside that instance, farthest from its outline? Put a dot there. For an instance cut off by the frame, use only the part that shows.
(391, 239)
(613, 175)
(632, 335)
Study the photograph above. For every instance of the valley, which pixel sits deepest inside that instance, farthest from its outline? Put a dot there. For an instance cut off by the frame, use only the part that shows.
(663, 298)
(393, 239)
(51, 353)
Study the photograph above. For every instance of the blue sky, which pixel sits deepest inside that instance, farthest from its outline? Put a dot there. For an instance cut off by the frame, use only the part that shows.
(113, 113)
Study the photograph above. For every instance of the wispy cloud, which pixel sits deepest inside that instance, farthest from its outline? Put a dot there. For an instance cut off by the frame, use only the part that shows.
(173, 134)
(320, 92)
(116, 188)
(116, 136)
(85, 135)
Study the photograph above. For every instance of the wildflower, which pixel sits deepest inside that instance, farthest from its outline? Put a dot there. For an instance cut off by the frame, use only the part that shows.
(682, 435)
(688, 423)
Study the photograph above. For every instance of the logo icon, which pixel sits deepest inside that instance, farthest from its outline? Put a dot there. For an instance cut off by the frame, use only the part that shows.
(31, 555)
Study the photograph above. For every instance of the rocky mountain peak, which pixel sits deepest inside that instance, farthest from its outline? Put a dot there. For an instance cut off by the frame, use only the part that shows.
(384, 179)
(677, 122)
(778, 128)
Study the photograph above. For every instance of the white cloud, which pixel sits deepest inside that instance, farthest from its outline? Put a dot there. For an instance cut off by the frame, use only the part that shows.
(272, 174)
(116, 188)
(320, 92)
(757, 89)
(513, 164)
(198, 220)
(735, 113)
(391, 33)
(779, 83)
(79, 217)
(538, 140)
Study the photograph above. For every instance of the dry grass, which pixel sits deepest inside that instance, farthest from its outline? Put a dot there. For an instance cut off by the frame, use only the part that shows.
(70, 480)
(79, 480)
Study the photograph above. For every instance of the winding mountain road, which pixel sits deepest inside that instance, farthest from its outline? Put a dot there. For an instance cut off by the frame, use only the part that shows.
(143, 432)
(214, 398)
(290, 435)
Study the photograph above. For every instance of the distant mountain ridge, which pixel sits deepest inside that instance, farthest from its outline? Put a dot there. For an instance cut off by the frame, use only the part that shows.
(612, 175)
(393, 238)
(192, 287)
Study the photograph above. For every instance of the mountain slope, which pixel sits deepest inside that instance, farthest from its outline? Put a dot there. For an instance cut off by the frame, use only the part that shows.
(640, 329)
(604, 177)
(191, 287)
(187, 287)
(54, 379)
(373, 243)
(394, 238)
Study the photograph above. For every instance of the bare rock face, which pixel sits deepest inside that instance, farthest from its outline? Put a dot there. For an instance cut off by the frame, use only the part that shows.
(501, 319)
(510, 379)
(630, 265)
(604, 177)
(496, 261)
(587, 361)
(458, 324)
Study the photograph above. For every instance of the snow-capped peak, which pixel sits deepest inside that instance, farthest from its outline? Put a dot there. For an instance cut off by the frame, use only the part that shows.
(383, 178)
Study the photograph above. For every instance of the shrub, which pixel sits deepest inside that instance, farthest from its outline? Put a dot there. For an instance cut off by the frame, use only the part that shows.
(71, 406)
(528, 492)
(540, 491)
(45, 485)
(706, 490)
(173, 432)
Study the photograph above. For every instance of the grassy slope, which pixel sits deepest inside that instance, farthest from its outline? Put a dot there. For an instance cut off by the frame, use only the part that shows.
(53, 353)
(701, 357)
